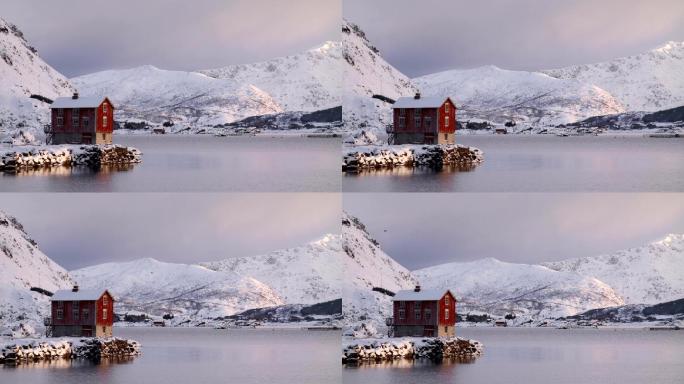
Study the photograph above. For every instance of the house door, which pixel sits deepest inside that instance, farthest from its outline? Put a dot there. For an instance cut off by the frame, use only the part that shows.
(87, 332)
(428, 331)
(429, 138)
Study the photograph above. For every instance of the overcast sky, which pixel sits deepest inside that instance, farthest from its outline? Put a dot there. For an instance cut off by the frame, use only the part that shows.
(427, 36)
(421, 230)
(83, 36)
(78, 230)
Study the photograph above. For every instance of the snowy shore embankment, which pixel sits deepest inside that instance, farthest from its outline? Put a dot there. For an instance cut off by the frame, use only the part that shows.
(93, 156)
(436, 349)
(25, 351)
(357, 158)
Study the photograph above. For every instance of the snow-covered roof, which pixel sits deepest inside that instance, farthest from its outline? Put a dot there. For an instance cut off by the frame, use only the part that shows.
(81, 102)
(80, 295)
(423, 102)
(422, 295)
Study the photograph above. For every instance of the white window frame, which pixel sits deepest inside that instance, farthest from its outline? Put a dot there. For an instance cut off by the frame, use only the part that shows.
(402, 314)
(104, 313)
(446, 121)
(446, 313)
(104, 121)
(402, 121)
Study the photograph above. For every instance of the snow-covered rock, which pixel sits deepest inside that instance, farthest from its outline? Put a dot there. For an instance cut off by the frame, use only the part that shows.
(23, 73)
(307, 81)
(500, 95)
(156, 95)
(357, 158)
(376, 350)
(648, 81)
(644, 275)
(367, 266)
(497, 287)
(366, 73)
(307, 274)
(24, 266)
(186, 291)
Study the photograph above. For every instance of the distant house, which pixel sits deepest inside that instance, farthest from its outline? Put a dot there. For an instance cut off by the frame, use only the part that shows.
(81, 120)
(429, 312)
(82, 313)
(423, 120)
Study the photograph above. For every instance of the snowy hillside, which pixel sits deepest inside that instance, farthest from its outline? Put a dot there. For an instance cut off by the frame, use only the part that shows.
(23, 73)
(645, 275)
(367, 266)
(23, 266)
(156, 95)
(308, 81)
(308, 274)
(500, 95)
(496, 287)
(645, 82)
(365, 74)
(187, 291)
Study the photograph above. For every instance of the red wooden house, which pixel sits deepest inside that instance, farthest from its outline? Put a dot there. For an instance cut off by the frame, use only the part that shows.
(423, 120)
(82, 313)
(429, 312)
(82, 120)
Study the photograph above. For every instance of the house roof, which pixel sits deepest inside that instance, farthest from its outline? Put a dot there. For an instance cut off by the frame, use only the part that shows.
(80, 295)
(81, 102)
(423, 102)
(422, 295)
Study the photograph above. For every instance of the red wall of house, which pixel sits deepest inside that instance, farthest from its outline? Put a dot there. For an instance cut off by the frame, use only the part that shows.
(67, 126)
(68, 318)
(410, 126)
(101, 320)
(451, 128)
(410, 318)
(110, 117)
(448, 297)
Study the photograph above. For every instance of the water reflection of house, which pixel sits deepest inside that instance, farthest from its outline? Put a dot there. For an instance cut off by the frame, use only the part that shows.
(424, 312)
(81, 120)
(423, 120)
(82, 313)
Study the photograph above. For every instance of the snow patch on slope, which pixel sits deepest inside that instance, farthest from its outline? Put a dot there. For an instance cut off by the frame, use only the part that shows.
(23, 73)
(500, 95)
(308, 274)
(649, 81)
(644, 275)
(308, 81)
(365, 74)
(156, 95)
(190, 291)
(367, 266)
(22, 266)
(497, 287)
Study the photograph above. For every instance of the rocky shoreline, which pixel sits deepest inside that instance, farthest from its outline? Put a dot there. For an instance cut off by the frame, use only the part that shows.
(435, 349)
(360, 158)
(92, 349)
(92, 156)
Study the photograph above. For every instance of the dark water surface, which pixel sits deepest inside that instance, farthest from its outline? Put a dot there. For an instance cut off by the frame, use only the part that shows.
(201, 163)
(199, 355)
(524, 355)
(545, 164)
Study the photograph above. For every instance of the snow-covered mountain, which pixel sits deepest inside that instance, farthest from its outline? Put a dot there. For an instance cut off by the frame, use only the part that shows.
(156, 95)
(23, 266)
(308, 274)
(309, 81)
(366, 73)
(500, 95)
(189, 291)
(366, 266)
(645, 82)
(23, 73)
(644, 275)
(497, 287)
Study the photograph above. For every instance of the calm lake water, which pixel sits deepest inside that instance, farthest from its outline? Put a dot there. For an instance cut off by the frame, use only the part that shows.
(201, 164)
(524, 355)
(194, 356)
(545, 164)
